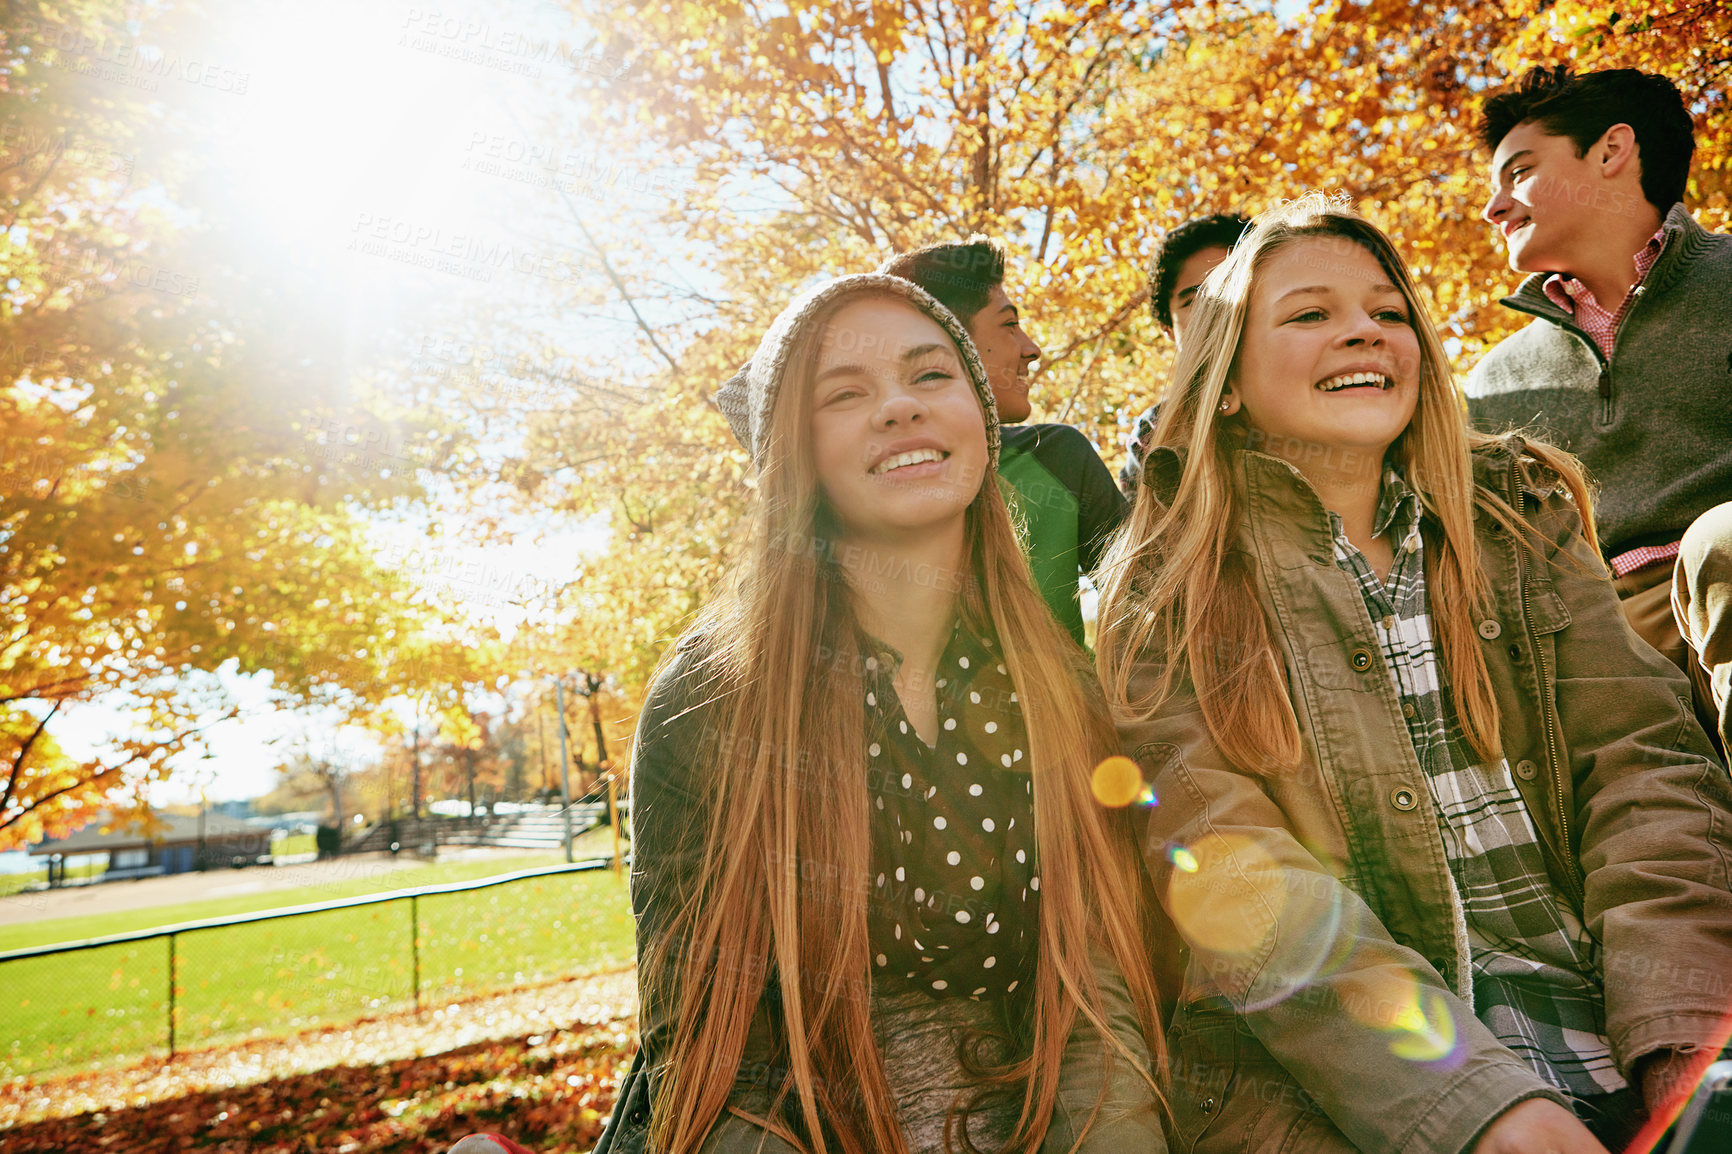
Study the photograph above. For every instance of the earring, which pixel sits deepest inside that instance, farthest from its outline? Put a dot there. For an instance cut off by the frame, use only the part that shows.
(1226, 404)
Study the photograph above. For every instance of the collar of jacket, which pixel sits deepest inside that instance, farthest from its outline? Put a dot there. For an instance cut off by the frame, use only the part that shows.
(1504, 466)
(1684, 242)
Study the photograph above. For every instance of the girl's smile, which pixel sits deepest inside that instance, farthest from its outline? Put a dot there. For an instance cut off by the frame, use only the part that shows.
(1329, 358)
(898, 433)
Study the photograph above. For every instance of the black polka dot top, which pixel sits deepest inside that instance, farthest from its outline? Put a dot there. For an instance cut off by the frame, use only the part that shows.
(955, 888)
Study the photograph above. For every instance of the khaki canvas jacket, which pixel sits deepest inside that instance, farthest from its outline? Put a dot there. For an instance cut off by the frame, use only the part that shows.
(1327, 1001)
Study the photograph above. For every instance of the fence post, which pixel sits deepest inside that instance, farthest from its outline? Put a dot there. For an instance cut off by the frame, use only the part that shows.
(415, 945)
(613, 816)
(173, 976)
(564, 766)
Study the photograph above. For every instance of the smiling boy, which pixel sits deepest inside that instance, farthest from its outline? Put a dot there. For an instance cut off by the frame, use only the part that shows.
(1628, 362)
(1064, 492)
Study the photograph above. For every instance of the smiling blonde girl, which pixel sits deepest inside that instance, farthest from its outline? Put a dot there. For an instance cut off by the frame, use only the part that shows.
(1442, 836)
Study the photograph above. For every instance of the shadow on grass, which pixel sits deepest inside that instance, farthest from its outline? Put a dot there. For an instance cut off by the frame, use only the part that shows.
(548, 1091)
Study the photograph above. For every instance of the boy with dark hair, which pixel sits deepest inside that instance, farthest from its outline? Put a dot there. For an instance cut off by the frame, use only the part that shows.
(1063, 491)
(1186, 255)
(1185, 258)
(1628, 363)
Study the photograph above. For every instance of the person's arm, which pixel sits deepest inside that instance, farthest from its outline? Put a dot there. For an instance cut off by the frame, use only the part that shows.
(1653, 819)
(677, 743)
(1128, 1116)
(667, 841)
(1364, 1024)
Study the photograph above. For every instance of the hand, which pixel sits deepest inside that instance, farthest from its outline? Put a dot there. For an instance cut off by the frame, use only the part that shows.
(1665, 1079)
(1537, 1126)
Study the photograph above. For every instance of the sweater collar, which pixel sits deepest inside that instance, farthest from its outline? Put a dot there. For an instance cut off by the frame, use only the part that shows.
(1682, 242)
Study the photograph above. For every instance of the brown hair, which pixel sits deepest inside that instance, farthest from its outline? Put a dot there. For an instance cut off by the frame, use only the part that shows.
(959, 274)
(778, 647)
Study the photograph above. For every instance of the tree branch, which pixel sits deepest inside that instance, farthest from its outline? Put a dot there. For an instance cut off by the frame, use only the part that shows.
(23, 752)
(1122, 314)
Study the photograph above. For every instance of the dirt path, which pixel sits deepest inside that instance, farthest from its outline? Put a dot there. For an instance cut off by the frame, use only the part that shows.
(142, 893)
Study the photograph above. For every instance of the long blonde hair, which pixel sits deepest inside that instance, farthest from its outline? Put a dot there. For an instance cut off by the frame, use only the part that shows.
(781, 900)
(1176, 589)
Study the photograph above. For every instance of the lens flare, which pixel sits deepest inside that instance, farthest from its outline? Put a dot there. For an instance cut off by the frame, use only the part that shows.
(1427, 1036)
(1414, 1015)
(1117, 782)
(1230, 896)
(1233, 898)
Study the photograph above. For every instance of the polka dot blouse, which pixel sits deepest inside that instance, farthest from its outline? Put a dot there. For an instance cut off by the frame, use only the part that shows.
(955, 894)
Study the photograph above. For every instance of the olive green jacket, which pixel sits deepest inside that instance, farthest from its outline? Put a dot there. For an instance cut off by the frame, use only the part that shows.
(1327, 1002)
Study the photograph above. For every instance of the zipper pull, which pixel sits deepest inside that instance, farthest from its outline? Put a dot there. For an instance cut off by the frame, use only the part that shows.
(1606, 381)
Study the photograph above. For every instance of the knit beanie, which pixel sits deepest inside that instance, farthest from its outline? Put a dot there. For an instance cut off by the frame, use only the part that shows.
(749, 398)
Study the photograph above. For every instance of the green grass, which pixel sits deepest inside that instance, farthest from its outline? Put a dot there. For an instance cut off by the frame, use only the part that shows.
(109, 1004)
(363, 877)
(16, 883)
(295, 843)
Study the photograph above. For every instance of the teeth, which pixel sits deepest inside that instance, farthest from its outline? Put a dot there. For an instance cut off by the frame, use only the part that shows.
(912, 457)
(1347, 379)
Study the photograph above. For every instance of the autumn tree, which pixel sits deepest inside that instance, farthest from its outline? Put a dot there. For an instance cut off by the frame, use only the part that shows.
(315, 770)
(822, 137)
(474, 757)
(183, 468)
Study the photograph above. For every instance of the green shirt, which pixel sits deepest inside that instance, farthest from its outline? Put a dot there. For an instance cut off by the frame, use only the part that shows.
(1068, 505)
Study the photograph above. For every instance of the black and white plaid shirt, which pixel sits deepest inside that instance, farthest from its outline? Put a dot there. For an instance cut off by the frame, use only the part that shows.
(1536, 969)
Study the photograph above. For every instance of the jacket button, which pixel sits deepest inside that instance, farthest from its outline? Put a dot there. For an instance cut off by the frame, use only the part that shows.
(1403, 798)
(1526, 770)
(1490, 629)
(1208, 1105)
(1407, 710)
(1361, 659)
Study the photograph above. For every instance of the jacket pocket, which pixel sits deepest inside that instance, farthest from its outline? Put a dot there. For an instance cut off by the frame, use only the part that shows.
(1200, 1049)
(1550, 614)
(1349, 664)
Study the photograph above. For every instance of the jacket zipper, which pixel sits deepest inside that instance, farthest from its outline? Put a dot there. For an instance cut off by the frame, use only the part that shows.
(1568, 323)
(1606, 362)
(1554, 761)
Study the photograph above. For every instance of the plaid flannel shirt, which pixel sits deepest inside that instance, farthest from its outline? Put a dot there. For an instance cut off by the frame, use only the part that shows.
(1536, 970)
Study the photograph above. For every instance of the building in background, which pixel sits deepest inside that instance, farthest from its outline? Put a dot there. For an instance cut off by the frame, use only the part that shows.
(179, 844)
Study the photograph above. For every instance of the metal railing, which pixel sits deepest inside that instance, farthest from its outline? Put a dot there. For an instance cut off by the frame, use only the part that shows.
(171, 935)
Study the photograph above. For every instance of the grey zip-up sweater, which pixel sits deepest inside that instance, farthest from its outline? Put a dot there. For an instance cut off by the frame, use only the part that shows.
(1653, 423)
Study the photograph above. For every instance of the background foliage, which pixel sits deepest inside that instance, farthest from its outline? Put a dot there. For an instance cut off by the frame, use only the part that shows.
(192, 474)
(823, 137)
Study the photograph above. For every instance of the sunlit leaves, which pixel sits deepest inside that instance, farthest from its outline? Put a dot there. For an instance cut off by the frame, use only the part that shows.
(178, 482)
(822, 137)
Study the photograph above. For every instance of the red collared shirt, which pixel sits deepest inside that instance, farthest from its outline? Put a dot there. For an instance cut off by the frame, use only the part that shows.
(1595, 319)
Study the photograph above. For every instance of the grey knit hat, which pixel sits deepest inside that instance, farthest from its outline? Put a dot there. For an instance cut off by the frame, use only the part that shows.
(749, 398)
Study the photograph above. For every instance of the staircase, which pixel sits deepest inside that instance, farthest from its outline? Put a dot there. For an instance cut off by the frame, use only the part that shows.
(535, 827)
